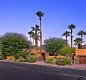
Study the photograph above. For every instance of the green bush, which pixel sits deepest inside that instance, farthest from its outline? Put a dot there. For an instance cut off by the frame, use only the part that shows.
(53, 44)
(25, 53)
(31, 58)
(66, 50)
(1, 57)
(21, 59)
(13, 43)
(50, 60)
(63, 61)
(21, 53)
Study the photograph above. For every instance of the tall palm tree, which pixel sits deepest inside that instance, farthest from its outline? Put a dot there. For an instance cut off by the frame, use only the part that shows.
(71, 27)
(34, 33)
(77, 42)
(66, 34)
(40, 15)
(81, 33)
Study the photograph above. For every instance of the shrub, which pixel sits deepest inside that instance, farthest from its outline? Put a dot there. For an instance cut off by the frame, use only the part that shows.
(66, 50)
(50, 60)
(1, 57)
(22, 53)
(25, 53)
(63, 61)
(21, 59)
(13, 43)
(10, 58)
(31, 58)
(53, 44)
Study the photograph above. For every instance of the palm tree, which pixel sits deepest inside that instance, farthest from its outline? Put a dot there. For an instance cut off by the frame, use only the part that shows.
(66, 34)
(71, 27)
(34, 33)
(77, 42)
(31, 36)
(30, 33)
(40, 15)
(81, 33)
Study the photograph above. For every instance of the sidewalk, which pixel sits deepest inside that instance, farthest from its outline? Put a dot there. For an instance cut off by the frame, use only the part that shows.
(45, 64)
(73, 66)
(77, 66)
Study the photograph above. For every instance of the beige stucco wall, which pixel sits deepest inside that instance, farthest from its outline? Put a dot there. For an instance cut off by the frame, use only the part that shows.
(80, 52)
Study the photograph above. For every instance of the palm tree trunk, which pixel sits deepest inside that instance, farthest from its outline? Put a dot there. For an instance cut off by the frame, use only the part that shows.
(33, 40)
(81, 40)
(40, 36)
(30, 37)
(66, 41)
(36, 43)
(71, 38)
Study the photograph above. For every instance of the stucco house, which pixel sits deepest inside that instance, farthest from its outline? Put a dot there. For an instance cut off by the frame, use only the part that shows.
(80, 55)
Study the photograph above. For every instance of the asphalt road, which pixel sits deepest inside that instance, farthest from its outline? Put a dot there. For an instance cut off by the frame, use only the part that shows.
(19, 71)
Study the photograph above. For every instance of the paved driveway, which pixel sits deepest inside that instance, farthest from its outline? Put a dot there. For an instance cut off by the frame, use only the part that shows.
(77, 66)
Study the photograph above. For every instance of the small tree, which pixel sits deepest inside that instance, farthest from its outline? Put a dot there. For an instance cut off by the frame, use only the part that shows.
(66, 50)
(52, 45)
(14, 43)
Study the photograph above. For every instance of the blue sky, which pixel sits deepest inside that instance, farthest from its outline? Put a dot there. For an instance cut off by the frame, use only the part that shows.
(19, 16)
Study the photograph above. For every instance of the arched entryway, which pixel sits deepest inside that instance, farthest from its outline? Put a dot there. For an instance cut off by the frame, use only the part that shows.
(43, 55)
